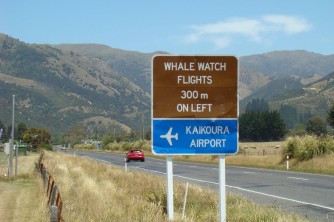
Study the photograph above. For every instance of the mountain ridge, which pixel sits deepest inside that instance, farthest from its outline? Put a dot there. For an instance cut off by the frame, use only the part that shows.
(108, 89)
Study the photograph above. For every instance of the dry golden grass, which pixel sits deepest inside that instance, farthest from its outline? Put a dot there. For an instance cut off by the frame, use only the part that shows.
(93, 191)
(272, 162)
(323, 164)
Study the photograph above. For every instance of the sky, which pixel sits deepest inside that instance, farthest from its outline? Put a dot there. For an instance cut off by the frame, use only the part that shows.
(212, 27)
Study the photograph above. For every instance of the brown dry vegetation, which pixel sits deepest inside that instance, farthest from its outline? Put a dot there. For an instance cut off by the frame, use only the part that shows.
(93, 191)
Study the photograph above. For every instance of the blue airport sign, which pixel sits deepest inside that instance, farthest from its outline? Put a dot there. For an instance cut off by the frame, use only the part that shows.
(191, 137)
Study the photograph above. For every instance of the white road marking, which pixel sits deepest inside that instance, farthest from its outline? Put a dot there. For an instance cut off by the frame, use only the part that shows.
(282, 198)
(247, 190)
(297, 178)
(247, 172)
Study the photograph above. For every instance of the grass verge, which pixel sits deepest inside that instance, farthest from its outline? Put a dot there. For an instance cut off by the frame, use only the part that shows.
(21, 196)
(93, 191)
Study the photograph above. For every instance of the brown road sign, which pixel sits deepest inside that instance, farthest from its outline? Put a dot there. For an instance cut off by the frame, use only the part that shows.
(195, 86)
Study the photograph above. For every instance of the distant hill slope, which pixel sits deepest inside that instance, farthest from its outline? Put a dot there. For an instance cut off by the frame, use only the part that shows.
(297, 78)
(58, 86)
(317, 97)
(296, 63)
(56, 89)
(130, 64)
(277, 89)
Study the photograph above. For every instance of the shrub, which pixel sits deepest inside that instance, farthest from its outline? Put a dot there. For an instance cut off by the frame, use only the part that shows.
(292, 147)
(308, 147)
(87, 146)
(326, 145)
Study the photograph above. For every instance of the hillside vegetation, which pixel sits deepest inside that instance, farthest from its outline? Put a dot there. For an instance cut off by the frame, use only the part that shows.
(103, 89)
(57, 89)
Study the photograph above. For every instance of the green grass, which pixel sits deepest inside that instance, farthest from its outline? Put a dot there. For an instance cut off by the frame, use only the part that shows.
(21, 196)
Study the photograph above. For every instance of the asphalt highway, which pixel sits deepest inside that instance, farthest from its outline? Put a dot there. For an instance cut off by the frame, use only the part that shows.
(309, 195)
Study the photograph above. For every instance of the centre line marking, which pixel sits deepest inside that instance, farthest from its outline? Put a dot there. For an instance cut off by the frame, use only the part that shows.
(249, 172)
(298, 178)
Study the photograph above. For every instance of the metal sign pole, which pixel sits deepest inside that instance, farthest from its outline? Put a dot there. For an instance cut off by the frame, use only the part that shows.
(222, 192)
(170, 202)
(13, 129)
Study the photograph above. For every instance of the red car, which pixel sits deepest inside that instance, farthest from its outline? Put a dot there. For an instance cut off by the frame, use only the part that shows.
(135, 155)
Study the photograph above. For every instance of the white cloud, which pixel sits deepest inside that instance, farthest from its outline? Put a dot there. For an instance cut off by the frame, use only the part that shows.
(287, 24)
(222, 42)
(222, 34)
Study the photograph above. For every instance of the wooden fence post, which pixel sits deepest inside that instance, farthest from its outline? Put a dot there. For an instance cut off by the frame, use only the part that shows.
(54, 214)
(53, 195)
(44, 175)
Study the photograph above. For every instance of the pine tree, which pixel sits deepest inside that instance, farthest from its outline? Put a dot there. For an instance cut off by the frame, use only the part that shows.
(259, 125)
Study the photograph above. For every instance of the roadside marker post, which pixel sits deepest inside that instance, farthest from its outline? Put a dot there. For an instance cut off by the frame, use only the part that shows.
(194, 112)
(185, 201)
(125, 165)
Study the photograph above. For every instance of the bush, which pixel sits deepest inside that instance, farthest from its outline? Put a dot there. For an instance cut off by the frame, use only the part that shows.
(326, 145)
(292, 147)
(308, 147)
(45, 146)
(87, 146)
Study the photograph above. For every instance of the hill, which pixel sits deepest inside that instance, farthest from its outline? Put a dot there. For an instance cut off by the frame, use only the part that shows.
(133, 65)
(297, 78)
(56, 89)
(296, 63)
(108, 90)
(315, 98)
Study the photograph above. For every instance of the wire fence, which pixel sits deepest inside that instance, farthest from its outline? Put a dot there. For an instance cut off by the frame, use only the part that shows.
(55, 203)
(257, 151)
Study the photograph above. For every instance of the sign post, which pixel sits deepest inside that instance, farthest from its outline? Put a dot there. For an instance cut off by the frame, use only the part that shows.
(195, 107)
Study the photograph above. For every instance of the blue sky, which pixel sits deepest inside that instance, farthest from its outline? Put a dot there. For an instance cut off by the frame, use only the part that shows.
(238, 27)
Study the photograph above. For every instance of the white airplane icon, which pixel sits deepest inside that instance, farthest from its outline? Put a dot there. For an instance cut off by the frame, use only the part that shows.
(168, 136)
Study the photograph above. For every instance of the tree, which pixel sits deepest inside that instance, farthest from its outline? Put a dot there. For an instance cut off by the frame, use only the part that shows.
(257, 105)
(289, 115)
(316, 126)
(148, 135)
(257, 126)
(274, 126)
(21, 128)
(330, 117)
(75, 134)
(260, 124)
(36, 137)
(3, 138)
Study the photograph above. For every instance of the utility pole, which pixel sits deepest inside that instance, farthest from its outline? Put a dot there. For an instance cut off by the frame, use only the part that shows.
(10, 162)
(142, 125)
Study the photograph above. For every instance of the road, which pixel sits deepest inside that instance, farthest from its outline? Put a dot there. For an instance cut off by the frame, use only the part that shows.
(310, 195)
